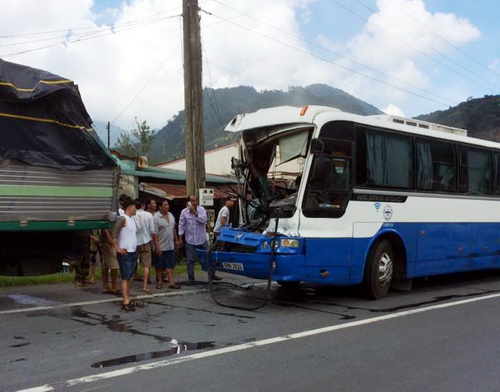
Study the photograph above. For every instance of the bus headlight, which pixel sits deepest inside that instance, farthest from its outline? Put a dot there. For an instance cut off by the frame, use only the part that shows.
(265, 244)
(289, 243)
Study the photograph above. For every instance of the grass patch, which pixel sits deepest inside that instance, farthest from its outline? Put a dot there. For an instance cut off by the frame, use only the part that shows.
(64, 277)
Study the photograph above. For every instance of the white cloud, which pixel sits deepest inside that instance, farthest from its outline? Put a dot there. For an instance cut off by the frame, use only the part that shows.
(402, 41)
(261, 48)
(393, 110)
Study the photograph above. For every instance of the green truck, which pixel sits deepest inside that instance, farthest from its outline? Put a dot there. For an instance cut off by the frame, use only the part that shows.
(57, 179)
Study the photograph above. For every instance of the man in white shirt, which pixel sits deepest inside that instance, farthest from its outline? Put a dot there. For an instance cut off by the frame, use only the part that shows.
(223, 217)
(125, 242)
(146, 233)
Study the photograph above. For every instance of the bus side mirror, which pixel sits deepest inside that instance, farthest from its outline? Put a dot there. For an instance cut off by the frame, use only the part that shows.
(317, 146)
(321, 170)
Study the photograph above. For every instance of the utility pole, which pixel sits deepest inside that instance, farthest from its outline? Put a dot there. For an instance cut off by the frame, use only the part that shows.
(193, 98)
(109, 135)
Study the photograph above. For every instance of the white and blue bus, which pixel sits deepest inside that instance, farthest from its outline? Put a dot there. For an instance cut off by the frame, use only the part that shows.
(381, 200)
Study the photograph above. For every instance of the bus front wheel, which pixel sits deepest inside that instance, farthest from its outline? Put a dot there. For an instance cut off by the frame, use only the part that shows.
(379, 270)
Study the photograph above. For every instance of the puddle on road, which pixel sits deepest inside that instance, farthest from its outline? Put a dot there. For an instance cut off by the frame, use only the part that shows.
(176, 350)
(24, 299)
(116, 324)
(20, 345)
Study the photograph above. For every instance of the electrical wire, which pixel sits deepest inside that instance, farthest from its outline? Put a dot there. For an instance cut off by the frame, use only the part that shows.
(214, 104)
(147, 83)
(97, 33)
(444, 39)
(332, 63)
(389, 77)
(412, 47)
(428, 46)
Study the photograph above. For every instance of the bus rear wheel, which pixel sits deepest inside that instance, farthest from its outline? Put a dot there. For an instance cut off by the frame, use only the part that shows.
(379, 270)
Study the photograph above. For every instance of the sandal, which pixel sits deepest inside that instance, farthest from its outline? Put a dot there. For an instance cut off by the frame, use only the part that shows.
(128, 307)
(174, 286)
(132, 303)
(147, 291)
(159, 286)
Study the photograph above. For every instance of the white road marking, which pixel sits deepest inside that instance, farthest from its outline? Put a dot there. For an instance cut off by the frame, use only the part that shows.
(245, 346)
(115, 299)
(101, 301)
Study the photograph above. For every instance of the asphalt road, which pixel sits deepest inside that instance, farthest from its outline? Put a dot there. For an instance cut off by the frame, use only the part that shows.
(441, 336)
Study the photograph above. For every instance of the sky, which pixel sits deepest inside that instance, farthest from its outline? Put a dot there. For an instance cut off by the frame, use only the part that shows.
(406, 57)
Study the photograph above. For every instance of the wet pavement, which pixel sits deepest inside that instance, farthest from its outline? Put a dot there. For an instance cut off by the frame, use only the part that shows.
(54, 333)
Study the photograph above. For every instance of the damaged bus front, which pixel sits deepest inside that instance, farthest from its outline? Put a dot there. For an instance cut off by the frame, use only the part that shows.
(286, 180)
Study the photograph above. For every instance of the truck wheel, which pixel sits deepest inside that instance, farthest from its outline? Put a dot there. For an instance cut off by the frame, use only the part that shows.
(379, 270)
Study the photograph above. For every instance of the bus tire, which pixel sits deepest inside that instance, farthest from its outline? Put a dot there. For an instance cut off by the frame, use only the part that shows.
(379, 270)
(289, 285)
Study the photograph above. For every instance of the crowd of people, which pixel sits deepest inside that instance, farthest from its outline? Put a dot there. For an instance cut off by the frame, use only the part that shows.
(146, 232)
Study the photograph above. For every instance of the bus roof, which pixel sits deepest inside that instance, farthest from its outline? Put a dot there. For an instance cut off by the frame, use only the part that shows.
(420, 124)
(305, 116)
(276, 116)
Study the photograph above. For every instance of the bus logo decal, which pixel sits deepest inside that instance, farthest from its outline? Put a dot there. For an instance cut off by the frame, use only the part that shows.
(387, 211)
(377, 206)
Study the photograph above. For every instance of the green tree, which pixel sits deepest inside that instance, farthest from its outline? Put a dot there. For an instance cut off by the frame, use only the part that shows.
(126, 145)
(138, 142)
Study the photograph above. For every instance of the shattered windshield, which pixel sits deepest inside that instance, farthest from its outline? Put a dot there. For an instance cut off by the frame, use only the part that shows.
(273, 171)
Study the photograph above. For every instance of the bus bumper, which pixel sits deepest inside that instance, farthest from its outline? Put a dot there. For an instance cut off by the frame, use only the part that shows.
(249, 254)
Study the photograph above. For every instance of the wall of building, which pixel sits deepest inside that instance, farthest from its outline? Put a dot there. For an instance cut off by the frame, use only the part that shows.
(218, 162)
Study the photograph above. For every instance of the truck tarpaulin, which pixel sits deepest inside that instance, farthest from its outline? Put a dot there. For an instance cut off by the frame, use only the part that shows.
(43, 121)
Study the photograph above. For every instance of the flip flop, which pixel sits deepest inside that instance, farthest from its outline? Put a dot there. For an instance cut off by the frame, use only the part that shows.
(146, 291)
(128, 307)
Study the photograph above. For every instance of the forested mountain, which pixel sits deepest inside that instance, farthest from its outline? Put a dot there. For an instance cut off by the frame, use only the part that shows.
(221, 105)
(481, 117)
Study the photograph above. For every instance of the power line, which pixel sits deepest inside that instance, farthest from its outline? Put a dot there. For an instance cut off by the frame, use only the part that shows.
(97, 33)
(147, 83)
(214, 104)
(444, 39)
(341, 56)
(92, 27)
(333, 63)
(411, 46)
(426, 45)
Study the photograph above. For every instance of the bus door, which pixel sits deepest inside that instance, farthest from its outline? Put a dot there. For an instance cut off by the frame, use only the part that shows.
(324, 202)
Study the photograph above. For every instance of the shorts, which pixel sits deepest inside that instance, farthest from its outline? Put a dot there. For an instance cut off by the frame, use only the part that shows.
(127, 264)
(166, 260)
(144, 255)
(109, 260)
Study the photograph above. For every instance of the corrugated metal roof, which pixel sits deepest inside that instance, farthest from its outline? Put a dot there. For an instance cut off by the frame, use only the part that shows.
(178, 191)
(129, 168)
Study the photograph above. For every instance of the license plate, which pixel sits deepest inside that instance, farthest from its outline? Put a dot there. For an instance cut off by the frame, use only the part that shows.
(233, 266)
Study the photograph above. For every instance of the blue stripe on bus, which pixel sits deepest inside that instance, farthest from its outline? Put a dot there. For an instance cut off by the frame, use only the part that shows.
(431, 249)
